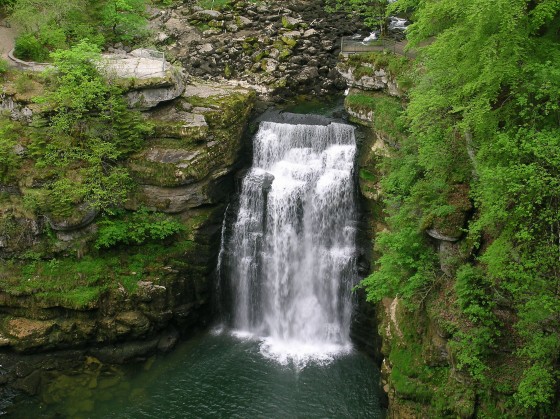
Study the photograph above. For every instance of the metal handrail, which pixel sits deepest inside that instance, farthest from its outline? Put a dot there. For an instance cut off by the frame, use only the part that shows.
(350, 46)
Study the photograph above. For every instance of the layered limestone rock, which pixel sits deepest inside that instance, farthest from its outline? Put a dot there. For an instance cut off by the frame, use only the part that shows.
(146, 76)
(371, 79)
(134, 293)
(200, 138)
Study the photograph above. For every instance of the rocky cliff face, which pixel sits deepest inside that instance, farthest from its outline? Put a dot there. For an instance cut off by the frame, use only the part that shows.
(135, 293)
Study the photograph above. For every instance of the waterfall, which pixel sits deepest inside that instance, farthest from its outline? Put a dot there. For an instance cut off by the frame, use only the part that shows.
(292, 247)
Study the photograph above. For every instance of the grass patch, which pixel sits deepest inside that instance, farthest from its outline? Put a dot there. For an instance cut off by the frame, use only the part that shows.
(222, 4)
(387, 112)
(79, 283)
(363, 71)
(399, 67)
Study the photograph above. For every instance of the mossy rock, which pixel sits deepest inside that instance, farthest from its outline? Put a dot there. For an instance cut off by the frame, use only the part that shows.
(171, 167)
(289, 41)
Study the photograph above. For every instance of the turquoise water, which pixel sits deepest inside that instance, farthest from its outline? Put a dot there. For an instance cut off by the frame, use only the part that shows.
(212, 376)
(324, 106)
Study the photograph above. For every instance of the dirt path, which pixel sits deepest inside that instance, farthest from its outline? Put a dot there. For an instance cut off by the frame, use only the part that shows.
(7, 39)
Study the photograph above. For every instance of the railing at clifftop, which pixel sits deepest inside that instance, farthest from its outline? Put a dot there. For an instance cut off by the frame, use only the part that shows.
(349, 46)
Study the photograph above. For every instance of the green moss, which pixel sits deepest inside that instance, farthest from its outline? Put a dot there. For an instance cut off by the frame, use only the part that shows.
(227, 71)
(363, 71)
(189, 135)
(227, 110)
(286, 23)
(398, 66)
(214, 4)
(79, 283)
(259, 55)
(387, 112)
(169, 174)
(367, 175)
(289, 41)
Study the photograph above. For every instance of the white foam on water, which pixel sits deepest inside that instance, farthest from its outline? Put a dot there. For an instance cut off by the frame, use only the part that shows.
(243, 334)
(217, 330)
(301, 354)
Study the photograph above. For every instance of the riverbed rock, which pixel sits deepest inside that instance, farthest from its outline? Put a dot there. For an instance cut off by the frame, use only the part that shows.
(372, 79)
(206, 15)
(238, 44)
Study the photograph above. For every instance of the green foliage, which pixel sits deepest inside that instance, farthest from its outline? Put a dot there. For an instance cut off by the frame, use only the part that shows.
(90, 131)
(9, 160)
(222, 4)
(24, 83)
(126, 19)
(4, 66)
(136, 228)
(537, 387)
(57, 24)
(387, 112)
(372, 11)
(483, 113)
(49, 25)
(29, 48)
(78, 283)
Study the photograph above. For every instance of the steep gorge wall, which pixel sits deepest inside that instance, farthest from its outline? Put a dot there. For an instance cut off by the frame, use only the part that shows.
(423, 349)
(59, 291)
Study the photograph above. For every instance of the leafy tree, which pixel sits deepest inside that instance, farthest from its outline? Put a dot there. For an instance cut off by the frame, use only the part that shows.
(484, 112)
(56, 24)
(34, 15)
(126, 19)
(90, 130)
(49, 25)
(372, 11)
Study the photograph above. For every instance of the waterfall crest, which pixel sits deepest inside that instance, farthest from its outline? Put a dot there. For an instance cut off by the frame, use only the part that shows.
(292, 246)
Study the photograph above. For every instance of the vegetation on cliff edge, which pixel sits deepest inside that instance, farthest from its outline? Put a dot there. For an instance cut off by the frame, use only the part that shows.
(482, 161)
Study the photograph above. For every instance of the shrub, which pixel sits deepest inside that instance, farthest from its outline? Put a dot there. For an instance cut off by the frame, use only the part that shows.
(4, 66)
(29, 48)
(136, 228)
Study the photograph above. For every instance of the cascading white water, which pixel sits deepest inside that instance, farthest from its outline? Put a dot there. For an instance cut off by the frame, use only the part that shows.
(292, 247)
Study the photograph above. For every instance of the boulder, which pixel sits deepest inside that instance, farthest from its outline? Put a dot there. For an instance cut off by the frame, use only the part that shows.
(309, 33)
(83, 216)
(440, 236)
(168, 340)
(146, 76)
(206, 15)
(269, 65)
(307, 74)
(244, 22)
